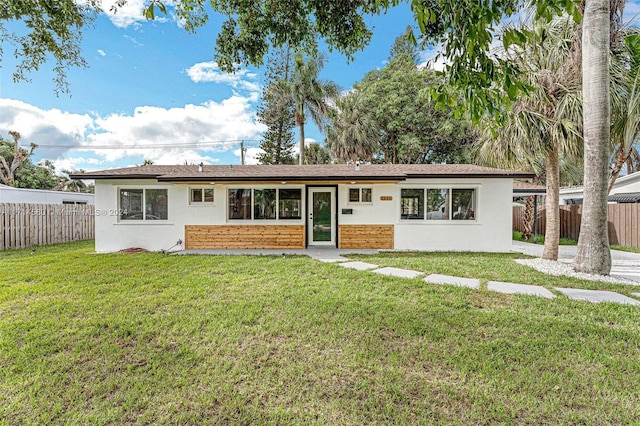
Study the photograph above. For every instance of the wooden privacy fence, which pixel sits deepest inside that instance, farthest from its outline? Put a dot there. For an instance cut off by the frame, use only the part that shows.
(624, 222)
(26, 225)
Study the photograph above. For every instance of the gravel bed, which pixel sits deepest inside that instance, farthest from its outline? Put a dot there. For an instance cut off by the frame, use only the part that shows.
(554, 267)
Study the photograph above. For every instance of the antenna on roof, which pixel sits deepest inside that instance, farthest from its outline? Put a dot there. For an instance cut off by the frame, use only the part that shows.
(358, 166)
(200, 167)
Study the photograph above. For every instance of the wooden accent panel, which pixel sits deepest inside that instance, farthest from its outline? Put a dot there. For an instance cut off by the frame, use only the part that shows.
(365, 236)
(244, 236)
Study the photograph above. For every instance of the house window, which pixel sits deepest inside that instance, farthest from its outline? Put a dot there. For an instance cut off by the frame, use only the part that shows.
(438, 204)
(360, 195)
(412, 203)
(441, 204)
(463, 204)
(201, 196)
(240, 204)
(265, 204)
(143, 204)
(290, 204)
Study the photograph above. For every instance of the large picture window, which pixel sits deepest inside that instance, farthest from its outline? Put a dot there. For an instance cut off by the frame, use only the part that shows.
(441, 204)
(143, 204)
(240, 204)
(290, 204)
(412, 203)
(463, 204)
(265, 204)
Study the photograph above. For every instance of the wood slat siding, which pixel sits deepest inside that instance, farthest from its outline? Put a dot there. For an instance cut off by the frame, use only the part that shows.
(26, 225)
(365, 236)
(624, 222)
(244, 236)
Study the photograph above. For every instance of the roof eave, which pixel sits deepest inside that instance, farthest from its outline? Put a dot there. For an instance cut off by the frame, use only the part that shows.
(277, 178)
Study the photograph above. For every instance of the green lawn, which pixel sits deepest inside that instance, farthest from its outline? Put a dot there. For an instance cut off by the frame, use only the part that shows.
(150, 338)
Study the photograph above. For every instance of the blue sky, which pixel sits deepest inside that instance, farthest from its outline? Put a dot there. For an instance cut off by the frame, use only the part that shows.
(152, 83)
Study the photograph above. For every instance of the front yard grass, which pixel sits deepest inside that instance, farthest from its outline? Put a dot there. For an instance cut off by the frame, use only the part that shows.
(150, 338)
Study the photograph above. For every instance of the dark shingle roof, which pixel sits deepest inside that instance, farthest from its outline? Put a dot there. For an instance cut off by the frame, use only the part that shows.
(323, 172)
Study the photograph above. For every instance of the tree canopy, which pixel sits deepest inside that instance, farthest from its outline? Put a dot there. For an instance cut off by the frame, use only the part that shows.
(51, 29)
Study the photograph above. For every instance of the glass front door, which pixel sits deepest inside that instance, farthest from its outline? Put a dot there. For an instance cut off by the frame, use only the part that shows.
(322, 216)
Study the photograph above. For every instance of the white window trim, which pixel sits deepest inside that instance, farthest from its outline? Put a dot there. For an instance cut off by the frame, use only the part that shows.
(144, 221)
(201, 203)
(359, 202)
(424, 220)
(277, 220)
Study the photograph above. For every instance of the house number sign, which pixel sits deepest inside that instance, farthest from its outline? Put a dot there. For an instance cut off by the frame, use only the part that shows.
(386, 198)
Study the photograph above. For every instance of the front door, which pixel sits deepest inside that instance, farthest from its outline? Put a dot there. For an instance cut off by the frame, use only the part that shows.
(321, 220)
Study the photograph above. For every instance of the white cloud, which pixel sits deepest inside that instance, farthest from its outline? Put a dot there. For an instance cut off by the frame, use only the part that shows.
(101, 52)
(209, 72)
(44, 127)
(131, 14)
(126, 135)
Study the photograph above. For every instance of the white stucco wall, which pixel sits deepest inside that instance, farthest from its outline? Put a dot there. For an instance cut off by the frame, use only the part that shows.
(490, 231)
(624, 184)
(40, 196)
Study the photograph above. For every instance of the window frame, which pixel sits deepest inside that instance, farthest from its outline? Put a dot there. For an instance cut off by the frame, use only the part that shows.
(203, 202)
(360, 197)
(252, 208)
(144, 218)
(449, 208)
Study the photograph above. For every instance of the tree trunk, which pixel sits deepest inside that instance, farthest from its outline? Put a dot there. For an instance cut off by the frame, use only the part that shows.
(617, 167)
(593, 253)
(527, 225)
(552, 201)
(300, 123)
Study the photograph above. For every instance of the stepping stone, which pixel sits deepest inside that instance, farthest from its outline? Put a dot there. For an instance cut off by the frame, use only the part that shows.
(457, 281)
(360, 266)
(513, 288)
(597, 296)
(397, 272)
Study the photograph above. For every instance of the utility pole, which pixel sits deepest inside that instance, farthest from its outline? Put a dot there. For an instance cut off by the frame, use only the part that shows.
(242, 151)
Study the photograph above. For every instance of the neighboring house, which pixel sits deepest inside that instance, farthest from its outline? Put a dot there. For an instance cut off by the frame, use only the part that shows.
(9, 194)
(402, 207)
(626, 189)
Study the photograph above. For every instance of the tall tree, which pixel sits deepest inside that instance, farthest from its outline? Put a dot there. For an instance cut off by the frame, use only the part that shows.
(593, 254)
(12, 156)
(625, 104)
(405, 45)
(317, 154)
(544, 125)
(412, 129)
(353, 133)
(310, 94)
(277, 111)
(52, 29)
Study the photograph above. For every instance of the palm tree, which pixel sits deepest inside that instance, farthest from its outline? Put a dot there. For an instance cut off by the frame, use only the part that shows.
(593, 254)
(625, 105)
(544, 125)
(354, 132)
(310, 94)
